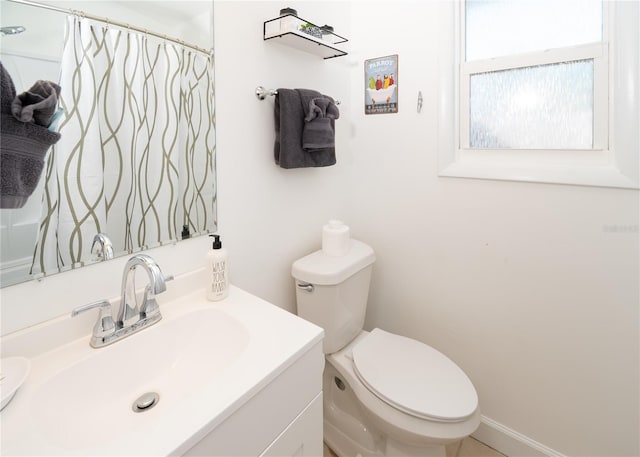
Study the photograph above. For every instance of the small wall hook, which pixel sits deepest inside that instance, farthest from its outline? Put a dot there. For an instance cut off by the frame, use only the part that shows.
(419, 101)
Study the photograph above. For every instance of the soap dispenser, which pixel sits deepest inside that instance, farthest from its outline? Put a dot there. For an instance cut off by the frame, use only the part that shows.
(217, 265)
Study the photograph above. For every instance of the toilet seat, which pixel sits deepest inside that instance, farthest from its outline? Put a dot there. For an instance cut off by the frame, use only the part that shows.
(413, 377)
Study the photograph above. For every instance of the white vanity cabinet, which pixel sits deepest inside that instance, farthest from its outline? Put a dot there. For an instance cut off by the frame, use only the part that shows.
(282, 419)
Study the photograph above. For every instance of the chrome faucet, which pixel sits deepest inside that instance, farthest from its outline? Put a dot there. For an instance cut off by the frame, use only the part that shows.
(102, 247)
(129, 313)
(131, 318)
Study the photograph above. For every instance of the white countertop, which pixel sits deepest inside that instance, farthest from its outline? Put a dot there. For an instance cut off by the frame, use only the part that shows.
(276, 340)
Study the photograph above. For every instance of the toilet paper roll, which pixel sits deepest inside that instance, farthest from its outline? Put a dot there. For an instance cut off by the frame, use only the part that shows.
(336, 239)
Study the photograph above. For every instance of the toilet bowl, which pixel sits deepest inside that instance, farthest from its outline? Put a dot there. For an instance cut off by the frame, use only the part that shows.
(384, 394)
(387, 428)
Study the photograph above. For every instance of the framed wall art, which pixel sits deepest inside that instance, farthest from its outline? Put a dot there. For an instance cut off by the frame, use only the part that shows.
(381, 85)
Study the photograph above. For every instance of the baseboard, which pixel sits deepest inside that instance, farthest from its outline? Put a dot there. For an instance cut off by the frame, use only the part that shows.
(509, 442)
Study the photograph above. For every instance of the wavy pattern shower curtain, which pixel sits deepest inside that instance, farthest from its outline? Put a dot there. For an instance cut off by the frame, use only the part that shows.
(137, 154)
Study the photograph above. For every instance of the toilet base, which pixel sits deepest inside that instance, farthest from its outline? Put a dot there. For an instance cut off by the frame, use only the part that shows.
(343, 446)
(349, 432)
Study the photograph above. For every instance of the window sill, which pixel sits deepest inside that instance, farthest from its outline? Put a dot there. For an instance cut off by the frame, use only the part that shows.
(573, 174)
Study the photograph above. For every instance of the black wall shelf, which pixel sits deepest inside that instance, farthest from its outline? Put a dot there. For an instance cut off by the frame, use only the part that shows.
(287, 30)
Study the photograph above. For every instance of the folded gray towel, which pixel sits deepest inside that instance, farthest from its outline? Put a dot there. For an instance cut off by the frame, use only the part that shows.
(318, 135)
(290, 111)
(319, 126)
(322, 107)
(23, 146)
(38, 104)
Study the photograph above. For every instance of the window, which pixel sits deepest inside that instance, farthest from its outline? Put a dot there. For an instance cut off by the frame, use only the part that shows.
(534, 96)
(535, 107)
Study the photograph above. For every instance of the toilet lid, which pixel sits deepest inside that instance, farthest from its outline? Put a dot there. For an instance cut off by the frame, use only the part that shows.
(413, 377)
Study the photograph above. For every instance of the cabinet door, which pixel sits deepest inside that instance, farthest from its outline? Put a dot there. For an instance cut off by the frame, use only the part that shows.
(303, 436)
(267, 415)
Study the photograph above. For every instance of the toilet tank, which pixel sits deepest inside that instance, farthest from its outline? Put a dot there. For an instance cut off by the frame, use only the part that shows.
(332, 292)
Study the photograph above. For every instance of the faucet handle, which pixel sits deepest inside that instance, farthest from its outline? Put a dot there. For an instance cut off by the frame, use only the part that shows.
(149, 305)
(105, 324)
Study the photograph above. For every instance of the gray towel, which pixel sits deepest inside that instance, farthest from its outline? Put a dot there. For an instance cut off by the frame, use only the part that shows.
(319, 126)
(291, 108)
(23, 146)
(7, 90)
(38, 104)
(322, 107)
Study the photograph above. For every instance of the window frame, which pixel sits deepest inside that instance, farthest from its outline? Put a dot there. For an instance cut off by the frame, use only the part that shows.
(613, 161)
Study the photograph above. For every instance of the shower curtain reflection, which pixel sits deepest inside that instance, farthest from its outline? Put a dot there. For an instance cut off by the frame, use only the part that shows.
(147, 107)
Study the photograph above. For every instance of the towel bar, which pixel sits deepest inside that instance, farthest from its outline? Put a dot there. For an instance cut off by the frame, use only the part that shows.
(262, 93)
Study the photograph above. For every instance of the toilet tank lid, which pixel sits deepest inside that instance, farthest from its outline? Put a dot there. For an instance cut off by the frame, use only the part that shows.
(322, 269)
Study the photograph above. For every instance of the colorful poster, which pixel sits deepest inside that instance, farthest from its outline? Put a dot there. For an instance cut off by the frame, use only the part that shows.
(381, 85)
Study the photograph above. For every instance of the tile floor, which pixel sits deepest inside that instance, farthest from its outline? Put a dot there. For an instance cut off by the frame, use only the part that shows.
(469, 447)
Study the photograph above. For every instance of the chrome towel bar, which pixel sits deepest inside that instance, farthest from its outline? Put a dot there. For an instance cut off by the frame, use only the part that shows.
(262, 93)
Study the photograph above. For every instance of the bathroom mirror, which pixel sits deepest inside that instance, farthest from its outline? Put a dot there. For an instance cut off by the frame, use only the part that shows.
(129, 210)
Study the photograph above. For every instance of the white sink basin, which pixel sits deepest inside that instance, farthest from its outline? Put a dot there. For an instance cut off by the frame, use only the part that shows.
(204, 359)
(174, 360)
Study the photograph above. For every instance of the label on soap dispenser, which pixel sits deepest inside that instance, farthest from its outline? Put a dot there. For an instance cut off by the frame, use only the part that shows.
(219, 277)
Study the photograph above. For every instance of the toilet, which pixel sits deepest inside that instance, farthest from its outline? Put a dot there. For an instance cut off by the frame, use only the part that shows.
(384, 394)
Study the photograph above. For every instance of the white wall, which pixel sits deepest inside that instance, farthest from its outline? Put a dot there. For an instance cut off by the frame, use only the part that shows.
(525, 286)
(270, 216)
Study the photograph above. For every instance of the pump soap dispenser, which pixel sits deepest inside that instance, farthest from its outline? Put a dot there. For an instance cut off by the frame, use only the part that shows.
(217, 271)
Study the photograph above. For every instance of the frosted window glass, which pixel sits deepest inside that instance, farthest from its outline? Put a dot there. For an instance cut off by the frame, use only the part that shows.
(541, 107)
(503, 27)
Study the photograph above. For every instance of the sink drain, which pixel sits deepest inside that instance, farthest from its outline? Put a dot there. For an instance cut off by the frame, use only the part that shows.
(145, 402)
